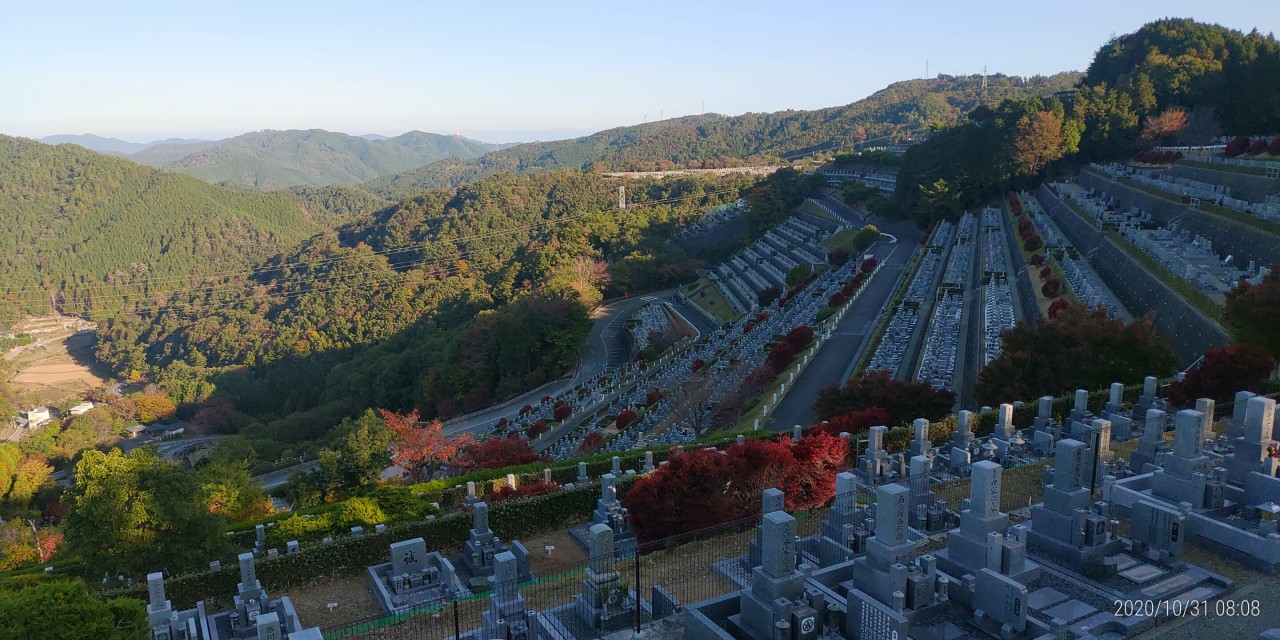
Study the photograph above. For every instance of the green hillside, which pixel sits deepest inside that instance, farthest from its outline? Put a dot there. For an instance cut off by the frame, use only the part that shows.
(899, 112)
(76, 220)
(279, 159)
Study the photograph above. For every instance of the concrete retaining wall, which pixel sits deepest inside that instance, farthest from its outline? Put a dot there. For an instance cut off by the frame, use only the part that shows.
(1187, 330)
(1244, 241)
(1242, 185)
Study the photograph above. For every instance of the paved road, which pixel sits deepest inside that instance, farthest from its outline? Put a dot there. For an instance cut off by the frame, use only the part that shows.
(850, 215)
(279, 477)
(849, 339)
(603, 351)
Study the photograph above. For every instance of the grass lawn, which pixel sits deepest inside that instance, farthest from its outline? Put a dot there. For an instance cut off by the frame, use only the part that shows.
(709, 298)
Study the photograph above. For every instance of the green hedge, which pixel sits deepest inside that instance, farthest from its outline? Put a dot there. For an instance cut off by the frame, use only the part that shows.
(350, 555)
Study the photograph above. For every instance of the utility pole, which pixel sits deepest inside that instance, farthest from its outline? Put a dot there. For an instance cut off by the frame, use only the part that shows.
(926, 68)
(984, 77)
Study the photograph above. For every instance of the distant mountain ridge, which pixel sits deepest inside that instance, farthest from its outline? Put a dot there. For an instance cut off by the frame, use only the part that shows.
(97, 229)
(279, 159)
(898, 112)
(116, 146)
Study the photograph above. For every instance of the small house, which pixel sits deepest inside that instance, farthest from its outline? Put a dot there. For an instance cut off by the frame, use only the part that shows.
(34, 418)
(81, 409)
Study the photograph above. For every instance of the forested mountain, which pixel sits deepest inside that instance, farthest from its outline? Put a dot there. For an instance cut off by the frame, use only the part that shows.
(116, 146)
(900, 111)
(97, 230)
(279, 159)
(1180, 62)
(1173, 80)
(444, 302)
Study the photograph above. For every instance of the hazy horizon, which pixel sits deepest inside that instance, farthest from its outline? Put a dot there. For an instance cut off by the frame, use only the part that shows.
(510, 72)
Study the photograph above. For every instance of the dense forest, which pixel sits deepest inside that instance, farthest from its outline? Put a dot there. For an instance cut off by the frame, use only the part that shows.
(1173, 81)
(443, 303)
(279, 159)
(96, 231)
(901, 111)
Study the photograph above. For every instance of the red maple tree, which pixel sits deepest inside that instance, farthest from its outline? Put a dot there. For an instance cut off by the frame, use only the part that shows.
(495, 453)
(421, 448)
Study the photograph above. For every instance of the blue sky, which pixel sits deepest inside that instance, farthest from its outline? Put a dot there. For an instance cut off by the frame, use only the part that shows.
(515, 70)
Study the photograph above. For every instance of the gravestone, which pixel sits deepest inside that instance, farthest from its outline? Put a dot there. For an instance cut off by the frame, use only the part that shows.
(1044, 414)
(605, 604)
(1185, 473)
(292, 546)
(873, 465)
(1250, 453)
(1064, 525)
(1080, 407)
(610, 512)
(1148, 398)
(890, 585)
(482, 547)
(771, 500)
(1115, 398)
(776, 593)
(1152, 444)
(159, 609)
(984, 539)
(920, 445)
(844, 531)
(617, 466)
(1235, 429)
(260, 537)
(507, 616)
(582, 473)
(1004, 421)
(648, 463)
(963, 437)
(471, 498)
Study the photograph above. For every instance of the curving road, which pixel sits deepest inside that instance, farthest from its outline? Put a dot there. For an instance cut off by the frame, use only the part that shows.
(605, 349)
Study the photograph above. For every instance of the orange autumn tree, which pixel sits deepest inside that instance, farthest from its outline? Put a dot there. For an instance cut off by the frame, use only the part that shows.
(420, 448)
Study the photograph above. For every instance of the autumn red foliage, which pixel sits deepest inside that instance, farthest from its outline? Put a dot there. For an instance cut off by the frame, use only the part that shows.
(902, 401)
(696, 364)
(420, 448)
(1257, 146)
(654, 396)
(523, 491)
(1058, 306)
(538, 428)
(701, 489)
(1223, 372)
(526, 409)
(1037, 260)
(625, 417)
(867, 265)
(495, 453)
(854, 422)
(781, 355)
(799, 337)
(1045, 273)
(561, 412)
(1236, 146)
(1051, 288)
(1273, 149)
(592, 443)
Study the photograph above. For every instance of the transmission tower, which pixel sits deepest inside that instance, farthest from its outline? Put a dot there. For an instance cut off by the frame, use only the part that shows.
(622, 197)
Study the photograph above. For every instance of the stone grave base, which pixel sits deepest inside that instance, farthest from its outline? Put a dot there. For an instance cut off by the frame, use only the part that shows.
(1065, 600)
(1213, 529)
(564, 623)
